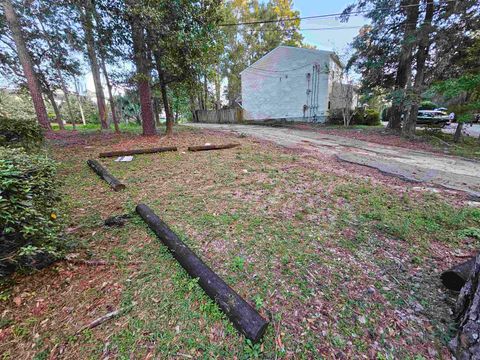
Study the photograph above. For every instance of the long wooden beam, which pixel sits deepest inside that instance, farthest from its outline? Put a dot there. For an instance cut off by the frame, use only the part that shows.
(137, 151)
(243, 316)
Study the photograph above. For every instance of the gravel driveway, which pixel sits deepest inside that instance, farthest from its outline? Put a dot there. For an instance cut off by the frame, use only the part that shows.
(412, 165)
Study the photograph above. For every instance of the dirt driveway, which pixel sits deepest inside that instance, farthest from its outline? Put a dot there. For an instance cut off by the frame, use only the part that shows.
(412, 165)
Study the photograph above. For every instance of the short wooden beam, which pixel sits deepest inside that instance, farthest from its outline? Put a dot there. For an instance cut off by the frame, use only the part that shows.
(211, 147)
(105, 175)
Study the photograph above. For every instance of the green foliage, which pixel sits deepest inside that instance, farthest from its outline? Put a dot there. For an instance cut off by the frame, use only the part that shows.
(27, 203)
(428, 105)
(368, 117)
(20, 132)
(470, 232)
(455, 88)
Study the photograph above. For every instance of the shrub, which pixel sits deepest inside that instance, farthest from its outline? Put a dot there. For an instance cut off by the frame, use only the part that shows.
(335, 117)
(368, 117)
(27, 207)
(427, 105)
(20, 130)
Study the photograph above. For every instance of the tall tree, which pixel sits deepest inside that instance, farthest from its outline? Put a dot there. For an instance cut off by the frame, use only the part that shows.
(423, 37)
(86, 12)
(411, 10)
(393, 52)
(105, 40)
(142, 76)
(27, 65)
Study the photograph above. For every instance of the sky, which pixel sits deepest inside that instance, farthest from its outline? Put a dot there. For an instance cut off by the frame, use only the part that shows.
(336, 40)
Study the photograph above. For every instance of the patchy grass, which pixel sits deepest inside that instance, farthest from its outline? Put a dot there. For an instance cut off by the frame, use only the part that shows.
(468, 147)
(343, 263)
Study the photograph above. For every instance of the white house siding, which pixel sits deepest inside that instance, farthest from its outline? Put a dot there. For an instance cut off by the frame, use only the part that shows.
(275, 87)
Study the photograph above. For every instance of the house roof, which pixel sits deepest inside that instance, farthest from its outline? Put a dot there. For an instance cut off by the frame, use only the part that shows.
(333, 55)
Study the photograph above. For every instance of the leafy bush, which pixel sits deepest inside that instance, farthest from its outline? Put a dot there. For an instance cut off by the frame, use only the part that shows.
(335, 117)
(368, 117)
(427, 105)
(27, 207)
(20, 130)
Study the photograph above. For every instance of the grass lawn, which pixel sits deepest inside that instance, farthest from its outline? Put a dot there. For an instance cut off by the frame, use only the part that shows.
(342, 260)
(131, 127)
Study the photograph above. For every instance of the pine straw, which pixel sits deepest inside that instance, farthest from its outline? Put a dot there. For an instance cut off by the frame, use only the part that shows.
(271, 221)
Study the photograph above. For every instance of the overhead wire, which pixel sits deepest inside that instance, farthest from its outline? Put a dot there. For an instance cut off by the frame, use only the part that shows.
(357, 12)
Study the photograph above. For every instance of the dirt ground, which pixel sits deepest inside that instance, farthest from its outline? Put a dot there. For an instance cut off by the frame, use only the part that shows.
(343, 260)
(410, 164)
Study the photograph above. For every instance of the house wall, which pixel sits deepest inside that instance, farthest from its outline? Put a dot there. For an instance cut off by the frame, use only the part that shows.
(275, 87)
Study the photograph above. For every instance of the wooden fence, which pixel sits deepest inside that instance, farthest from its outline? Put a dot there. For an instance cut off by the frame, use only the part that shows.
(223, 116)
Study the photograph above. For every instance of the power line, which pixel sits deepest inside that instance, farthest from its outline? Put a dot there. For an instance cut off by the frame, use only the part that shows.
(358, 12)
(310, 29)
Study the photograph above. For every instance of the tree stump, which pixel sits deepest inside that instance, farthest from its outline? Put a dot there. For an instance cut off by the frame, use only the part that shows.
(466, 343)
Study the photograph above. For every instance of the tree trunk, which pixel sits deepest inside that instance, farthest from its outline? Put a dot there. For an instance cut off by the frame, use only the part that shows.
(205, 91)
(192, 108)
(156, 110)
(56, 61)
(143, 75)
(217, 89)
(166, 105)
(58, 115)
(79, 99)
(26, 62)
(466, 343)
(67, 99)
(164, 92)
(458, 132)
(87, 13)
(110, 96)
(102, 54)
(404, 63)
(422, 55)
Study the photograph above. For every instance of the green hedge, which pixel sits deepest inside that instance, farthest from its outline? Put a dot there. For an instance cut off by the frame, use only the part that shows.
(28, 225)
(20, 131)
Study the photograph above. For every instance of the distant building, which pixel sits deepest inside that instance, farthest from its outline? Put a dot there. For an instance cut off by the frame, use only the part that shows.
(292, 84)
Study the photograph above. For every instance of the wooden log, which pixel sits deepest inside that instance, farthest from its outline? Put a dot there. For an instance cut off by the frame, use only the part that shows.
(212, 147)
(466, 343)
(243, 316)
(105, 175)
(456, 277)
(137, 151)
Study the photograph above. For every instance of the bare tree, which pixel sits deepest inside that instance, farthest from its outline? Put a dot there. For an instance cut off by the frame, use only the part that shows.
(343, 95)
